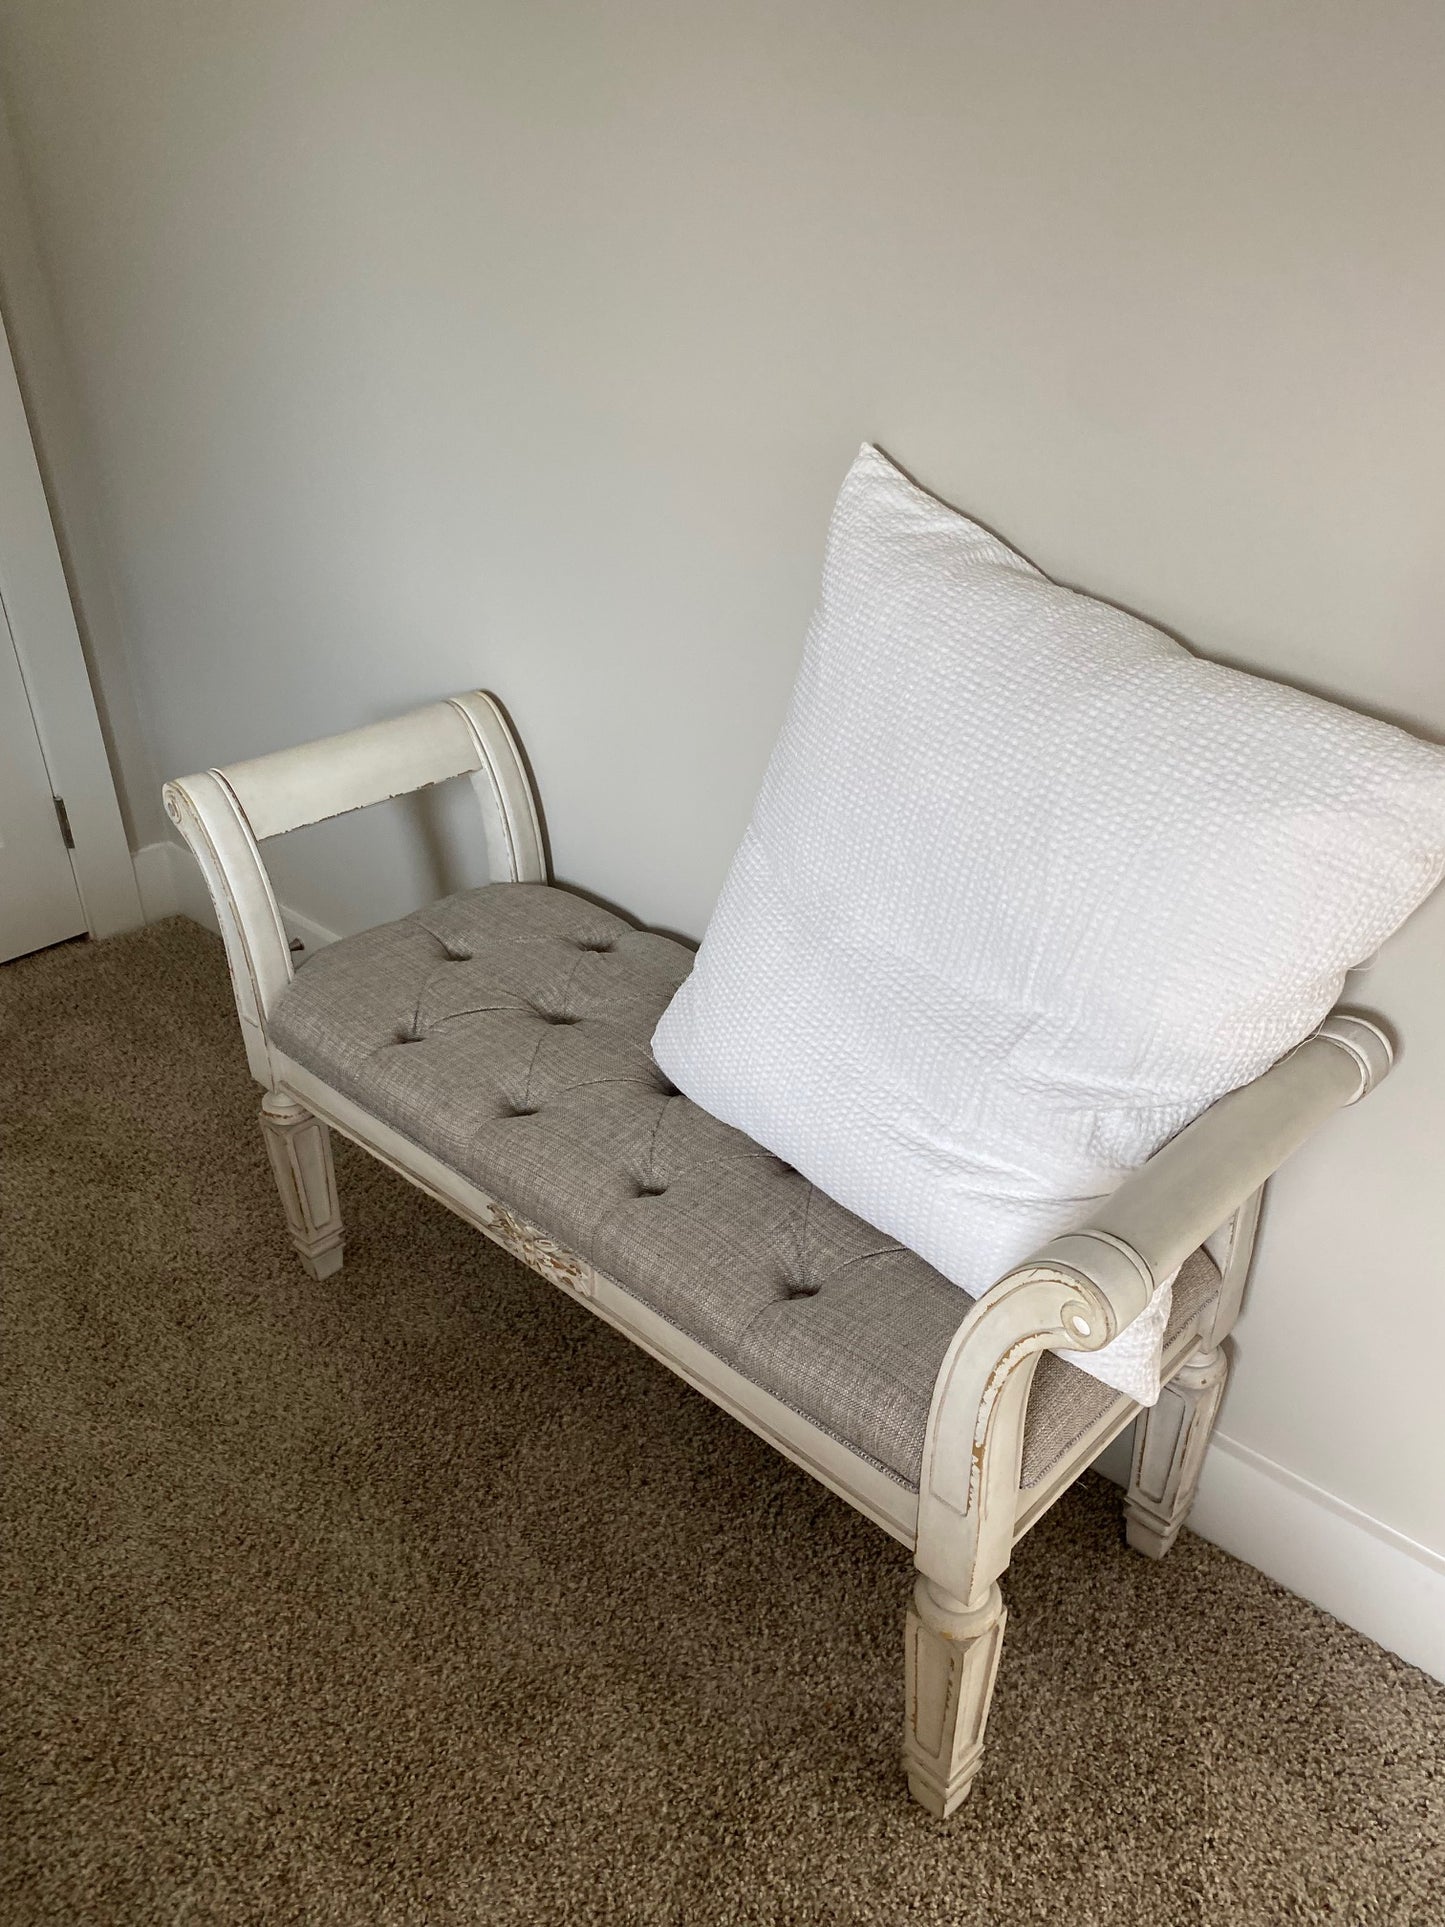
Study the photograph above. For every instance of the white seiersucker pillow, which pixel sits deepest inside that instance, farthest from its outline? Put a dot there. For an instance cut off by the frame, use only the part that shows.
(1027, 887)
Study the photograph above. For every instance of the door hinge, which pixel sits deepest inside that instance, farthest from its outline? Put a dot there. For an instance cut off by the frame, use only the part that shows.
(62, 816)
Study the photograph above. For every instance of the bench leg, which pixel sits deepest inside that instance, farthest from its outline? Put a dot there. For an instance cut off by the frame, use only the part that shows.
(952, 1657)
(299, 1147)
(1169, 1446)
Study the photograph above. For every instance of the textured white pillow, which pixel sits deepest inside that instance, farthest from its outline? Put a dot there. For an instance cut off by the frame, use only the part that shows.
(1026, 888)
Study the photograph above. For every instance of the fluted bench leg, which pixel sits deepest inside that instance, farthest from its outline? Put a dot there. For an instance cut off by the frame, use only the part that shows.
(1169, 1447)
(299, 1146)
(952, 1658)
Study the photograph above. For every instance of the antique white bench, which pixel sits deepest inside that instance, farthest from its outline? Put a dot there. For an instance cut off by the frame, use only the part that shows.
(494, 1048)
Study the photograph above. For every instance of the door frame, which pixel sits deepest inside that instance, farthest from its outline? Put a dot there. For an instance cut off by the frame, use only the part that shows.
(52, 666)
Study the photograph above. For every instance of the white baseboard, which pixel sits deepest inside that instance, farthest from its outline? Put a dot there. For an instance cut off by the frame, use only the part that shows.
(1385, 1585)
(1375, 1579)
(170, 884)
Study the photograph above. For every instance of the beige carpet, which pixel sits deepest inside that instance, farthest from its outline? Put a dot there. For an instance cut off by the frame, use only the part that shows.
(420, 1597)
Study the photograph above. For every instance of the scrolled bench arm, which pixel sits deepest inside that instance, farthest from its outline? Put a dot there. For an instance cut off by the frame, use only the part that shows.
(225, 815)
(1082, 1289)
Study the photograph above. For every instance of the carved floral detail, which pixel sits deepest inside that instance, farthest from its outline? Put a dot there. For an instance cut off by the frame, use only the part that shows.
(543, 1254)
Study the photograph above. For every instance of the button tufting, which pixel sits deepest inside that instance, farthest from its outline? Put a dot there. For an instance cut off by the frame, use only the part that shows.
(608, 1113)
(459, 956)
(583, 944)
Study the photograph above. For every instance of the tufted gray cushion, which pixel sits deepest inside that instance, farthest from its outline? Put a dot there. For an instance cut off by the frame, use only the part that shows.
(506, 1031)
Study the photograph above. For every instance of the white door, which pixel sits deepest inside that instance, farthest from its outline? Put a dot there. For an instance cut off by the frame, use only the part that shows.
(39, 900)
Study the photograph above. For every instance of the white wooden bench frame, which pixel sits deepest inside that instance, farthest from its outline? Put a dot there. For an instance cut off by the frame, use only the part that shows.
(1074, 1295)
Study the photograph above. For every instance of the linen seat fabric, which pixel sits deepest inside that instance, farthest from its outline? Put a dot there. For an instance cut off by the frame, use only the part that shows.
(506, 1031)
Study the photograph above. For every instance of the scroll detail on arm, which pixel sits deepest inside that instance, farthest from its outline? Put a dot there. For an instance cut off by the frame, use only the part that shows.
(1080, 1291)
(1076, 1294)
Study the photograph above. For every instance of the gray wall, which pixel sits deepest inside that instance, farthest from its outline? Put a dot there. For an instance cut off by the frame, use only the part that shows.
(443, 343)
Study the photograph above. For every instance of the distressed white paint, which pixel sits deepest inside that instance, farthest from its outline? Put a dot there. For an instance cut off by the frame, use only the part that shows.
(1075, 1294)
(1387, 1585)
